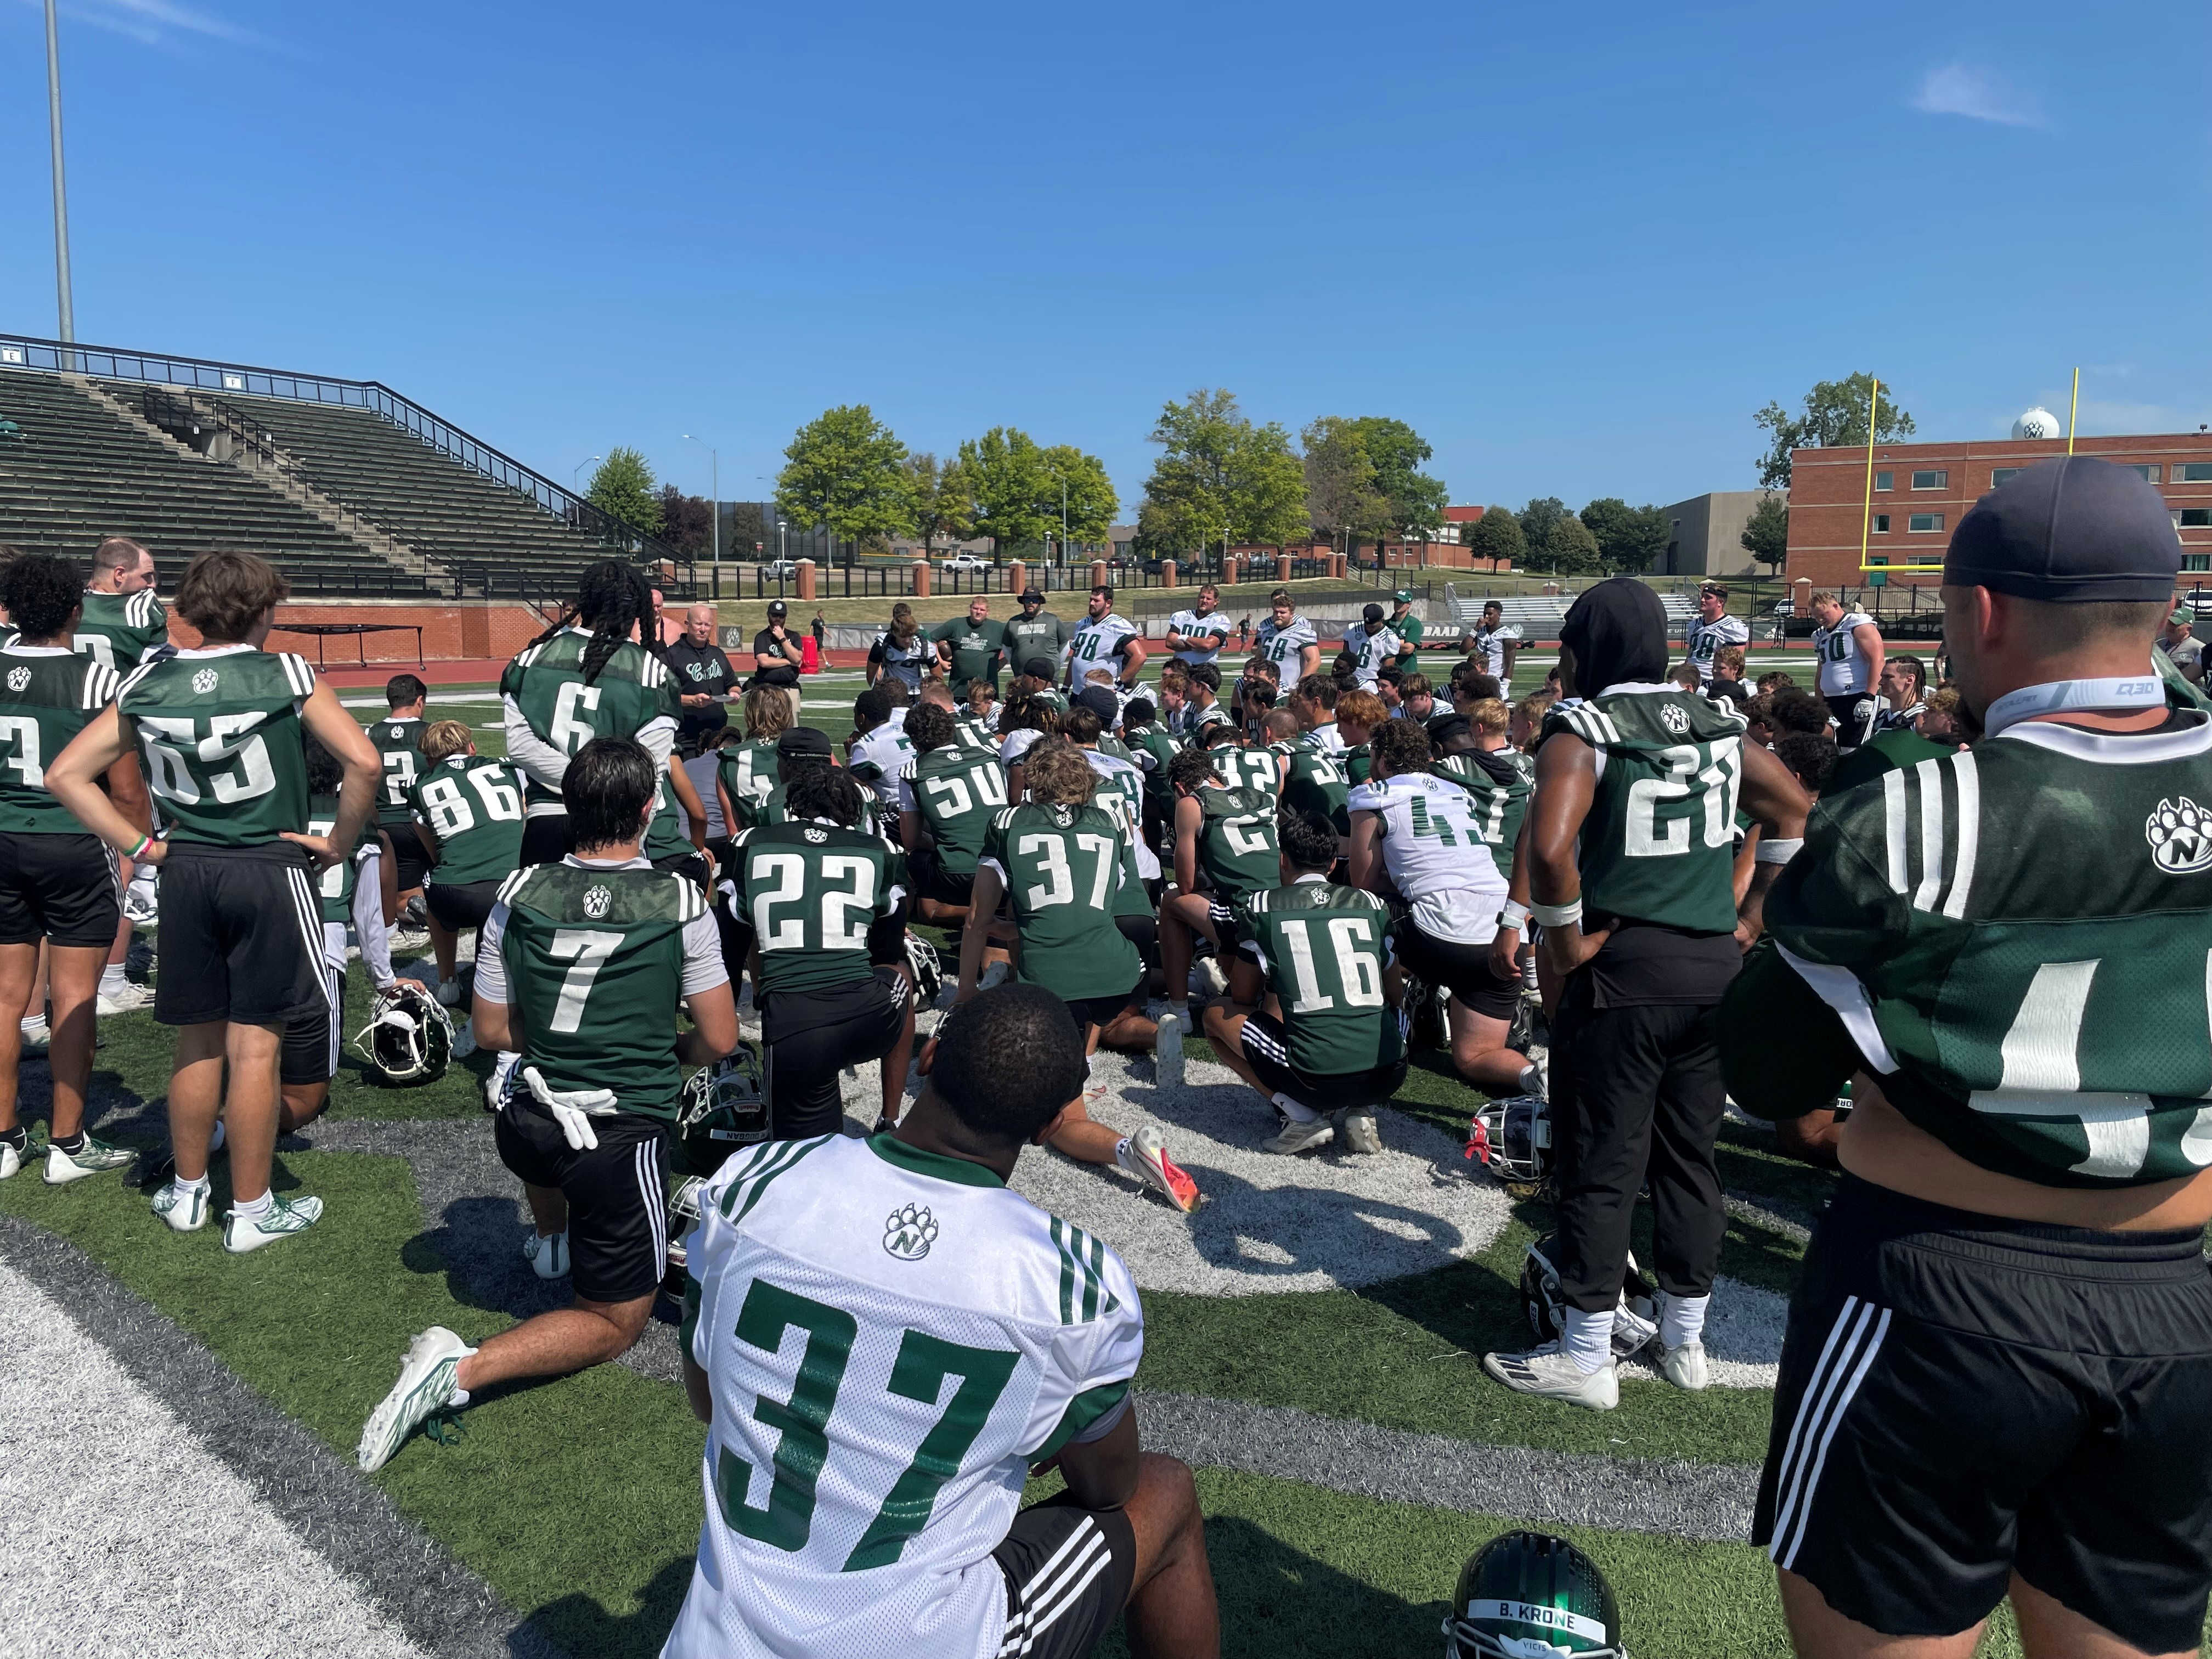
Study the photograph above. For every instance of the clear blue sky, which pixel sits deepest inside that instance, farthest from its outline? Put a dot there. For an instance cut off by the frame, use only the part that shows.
(1575, 246)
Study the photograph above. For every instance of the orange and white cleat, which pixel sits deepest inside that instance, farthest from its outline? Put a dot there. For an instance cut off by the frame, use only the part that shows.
(1144, 1157)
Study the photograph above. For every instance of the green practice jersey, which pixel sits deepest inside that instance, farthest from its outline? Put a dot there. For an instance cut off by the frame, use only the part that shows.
(1325, 949)
(219, 734)
(335, 886)
(1407, 628)
(1120, 790)
(1249, 768)
(1319, 783)
(1357, 762)
(772, 810)
(47, 695)
(1499, 807)
(118, 630)
(1897, 750)
(399, 745)
(1061, 866)
(747, 771)
(1152, 747)
(472, 804)
(633, 689)
(1041, 635)
(812, 890)
(976, 648)
(2015, 936)
(975, 731)
(595, 960)
(1659, 844)
(1236, 842)
(956, 791)
(665, 836)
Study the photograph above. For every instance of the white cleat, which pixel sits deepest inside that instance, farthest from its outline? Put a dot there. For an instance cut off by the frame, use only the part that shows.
(548, 1257)
(1208, 978)
(185, 1208)
(449, 992)
(1549, 1373)
(37, 1035)
(1685, 1367)
(89, 1159)
(427, 1384)
(1143, 1155)
(993, 975)
(1357, 1131)
(1301, 1136)
(285, 1217)
(10, 1159)
(129, 1000)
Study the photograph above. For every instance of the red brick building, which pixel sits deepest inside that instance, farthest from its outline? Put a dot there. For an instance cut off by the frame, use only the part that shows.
(1921, 491)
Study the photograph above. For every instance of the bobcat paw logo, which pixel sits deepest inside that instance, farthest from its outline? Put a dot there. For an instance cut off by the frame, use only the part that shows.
(909, 1232)
(1674, 718)
(204, 681)
(2180, 837)
(817, 837)
(18, 679)
(596, 902)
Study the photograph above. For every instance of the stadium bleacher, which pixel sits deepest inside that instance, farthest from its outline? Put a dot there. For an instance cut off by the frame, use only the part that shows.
(348, 487)
(1539, 617)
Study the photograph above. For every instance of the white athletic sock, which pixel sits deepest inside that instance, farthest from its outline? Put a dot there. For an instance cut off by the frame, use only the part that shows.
(1296, 1112)
(184, 1185)
(1531, 1081)
(35, 1023)
(112, 979)
(1682, 1319)
(1588, 1338)
(253, 1209)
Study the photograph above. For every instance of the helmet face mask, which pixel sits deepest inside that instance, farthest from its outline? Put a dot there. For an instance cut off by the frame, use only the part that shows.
(409, 1039)
(1528, 1596)
(1635, 1319)
(1513, 1139)
(925, 969)
(725, 1107)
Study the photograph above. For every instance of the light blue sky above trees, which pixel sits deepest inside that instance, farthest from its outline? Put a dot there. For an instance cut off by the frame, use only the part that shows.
(1574, 248)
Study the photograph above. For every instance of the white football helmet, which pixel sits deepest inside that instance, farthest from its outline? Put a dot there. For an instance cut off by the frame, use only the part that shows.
(1635, 1320)
(409, 1039)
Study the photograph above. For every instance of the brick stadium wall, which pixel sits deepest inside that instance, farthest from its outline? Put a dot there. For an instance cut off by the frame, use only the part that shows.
(451, 632)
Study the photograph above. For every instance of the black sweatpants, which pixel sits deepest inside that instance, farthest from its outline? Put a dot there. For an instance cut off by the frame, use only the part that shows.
(1636, 1093)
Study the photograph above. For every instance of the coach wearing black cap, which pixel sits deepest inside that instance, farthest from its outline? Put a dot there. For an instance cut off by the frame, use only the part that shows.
(1999, 1361)
(776, 656)
(1035, 633)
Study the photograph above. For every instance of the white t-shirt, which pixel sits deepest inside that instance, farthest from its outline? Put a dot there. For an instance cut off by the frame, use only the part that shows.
(1098, 644)
(1188, 623)
(1325, 740)
(1373, 647)
(879, 758)
(1284, 646)
(851, 1303)
(1706, 638)
(1433, 846)
(1490, 645)
(1844, 666)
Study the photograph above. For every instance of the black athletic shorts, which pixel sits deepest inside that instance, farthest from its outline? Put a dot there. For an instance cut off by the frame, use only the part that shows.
(1143, 931)
(458, 906)
(812, 1035)
(887, 937)
(933, 881)
(61, 887)
(546, 839)
(688, 865)
(409, 860)
(1961, 1396)
(616, 1192)
(241, 935)
(1464, 970)
(1227, 935)
(1855, 714)
(309, 1051)
(1266, 1048)
(1103, 1010)
(1069, 1571)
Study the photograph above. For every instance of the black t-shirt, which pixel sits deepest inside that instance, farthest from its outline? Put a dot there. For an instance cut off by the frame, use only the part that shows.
(783, 674)
(1736, 690)
(699, 669)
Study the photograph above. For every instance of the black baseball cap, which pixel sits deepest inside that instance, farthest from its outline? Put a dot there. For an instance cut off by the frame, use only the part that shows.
(799, 741)
(1101, 701)
(778, 608)
(1373, 613)
(1030, 596)
(1038, 668)
(2069, 531)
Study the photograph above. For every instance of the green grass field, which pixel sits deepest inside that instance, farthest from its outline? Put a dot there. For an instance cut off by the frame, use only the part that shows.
(578, 1500)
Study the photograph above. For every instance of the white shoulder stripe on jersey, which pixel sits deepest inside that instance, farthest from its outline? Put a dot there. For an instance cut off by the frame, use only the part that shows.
(1893, 815)
(135, 675)
(1968, 780)
(1840, 989)
(1930, 781)
(513, 885)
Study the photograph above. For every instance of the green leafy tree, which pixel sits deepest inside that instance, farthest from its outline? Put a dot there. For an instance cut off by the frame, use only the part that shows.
(1416, 500)
(941, 506)
(622, 486)
(1767, 537)
(1496, 535)
(1341, 497)
(1218, 474)
(1536, 521)
(687, 522)
(846, 472)
(1571, 549)
(1091, 504)
(1628, 538)
(1834, 417)
(1006, 480)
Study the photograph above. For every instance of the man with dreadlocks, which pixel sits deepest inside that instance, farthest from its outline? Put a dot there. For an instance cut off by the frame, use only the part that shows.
(587, 676)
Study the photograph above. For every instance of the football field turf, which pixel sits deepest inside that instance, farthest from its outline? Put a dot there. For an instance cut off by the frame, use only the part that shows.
(1351, 1453)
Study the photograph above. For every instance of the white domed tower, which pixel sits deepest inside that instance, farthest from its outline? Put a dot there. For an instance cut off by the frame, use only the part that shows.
(2038, 422)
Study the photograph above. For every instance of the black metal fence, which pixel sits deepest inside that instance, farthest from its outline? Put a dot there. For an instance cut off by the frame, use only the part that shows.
(873, 579)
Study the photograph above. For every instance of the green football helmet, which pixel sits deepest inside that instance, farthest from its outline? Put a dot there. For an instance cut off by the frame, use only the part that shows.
(1528, 1596)
(725, 1107)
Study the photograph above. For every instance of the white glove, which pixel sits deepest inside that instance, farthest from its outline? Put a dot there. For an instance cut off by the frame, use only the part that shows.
(572, 1108)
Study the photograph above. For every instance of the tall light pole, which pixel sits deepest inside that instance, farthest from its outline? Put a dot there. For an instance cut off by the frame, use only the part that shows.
(578, 467)
(716, 461)
(61, 187)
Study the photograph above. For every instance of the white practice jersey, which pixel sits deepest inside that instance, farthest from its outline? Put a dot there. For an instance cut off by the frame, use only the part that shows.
(1098, 645)
(1432, 845)
(1121, 790)
(1324, 740)
(879, 759)
(892, 1338)
(1188, 623)
(1843, 667)
(1372, 648)
(1489, 647)
(1283, 646)
(905, 663)
(1015, 744)
(1706, 638)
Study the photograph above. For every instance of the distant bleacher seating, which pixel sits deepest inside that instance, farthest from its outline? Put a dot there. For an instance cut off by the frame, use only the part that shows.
(1539, 617)
(348, 487)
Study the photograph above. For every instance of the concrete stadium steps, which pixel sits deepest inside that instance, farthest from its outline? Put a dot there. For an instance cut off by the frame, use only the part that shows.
(79, 470)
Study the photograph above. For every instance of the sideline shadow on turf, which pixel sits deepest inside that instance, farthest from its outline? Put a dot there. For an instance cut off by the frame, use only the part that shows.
(581, 1626)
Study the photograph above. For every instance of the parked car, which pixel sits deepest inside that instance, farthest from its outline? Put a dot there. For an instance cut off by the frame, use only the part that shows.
(964, 562)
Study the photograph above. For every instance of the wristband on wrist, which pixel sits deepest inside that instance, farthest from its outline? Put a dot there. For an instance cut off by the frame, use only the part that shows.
(1775, 852)
(144, 842)
(1514, 915)
(1557, 915)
